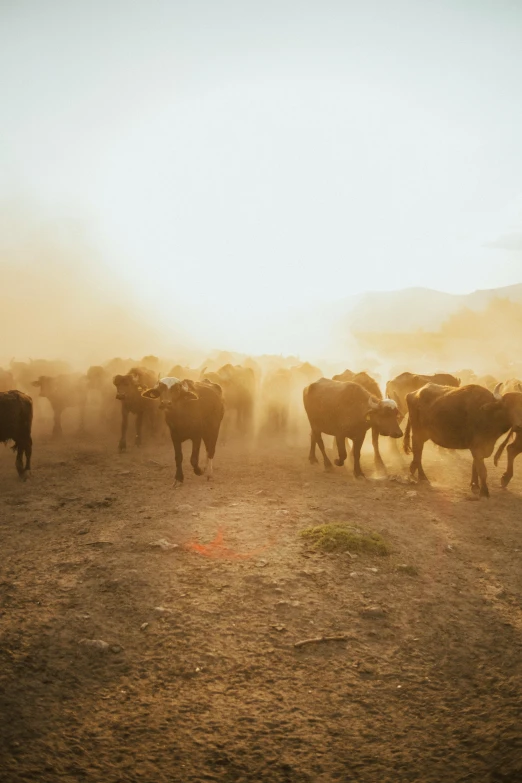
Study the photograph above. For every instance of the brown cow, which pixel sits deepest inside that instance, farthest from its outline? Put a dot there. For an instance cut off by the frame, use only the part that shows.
(346, 410)
(515, 448)
(64, 391)
(470, 417)
(129, 390)
(193, 411)
(371, 385)
(16, 417)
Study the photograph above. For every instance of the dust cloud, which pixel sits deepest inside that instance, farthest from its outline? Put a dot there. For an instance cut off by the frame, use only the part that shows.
(61, 301)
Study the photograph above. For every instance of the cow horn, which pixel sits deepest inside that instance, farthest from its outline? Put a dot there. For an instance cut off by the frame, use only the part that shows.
(373, 403)
(184, 386)
(496, 391)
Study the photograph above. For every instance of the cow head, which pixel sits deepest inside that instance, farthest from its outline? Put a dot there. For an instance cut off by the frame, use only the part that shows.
(46, 384)
(385, 415)
(127, 386)
(170, 391)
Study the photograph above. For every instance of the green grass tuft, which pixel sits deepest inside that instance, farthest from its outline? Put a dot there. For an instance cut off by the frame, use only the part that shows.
(337, 537)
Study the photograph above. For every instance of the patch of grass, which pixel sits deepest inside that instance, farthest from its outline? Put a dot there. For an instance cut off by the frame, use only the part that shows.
(336, 537)
(409, 570)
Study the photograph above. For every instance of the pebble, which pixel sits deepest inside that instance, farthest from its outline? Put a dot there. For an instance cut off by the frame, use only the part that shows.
(95, 644)
(162, 610)
(163, 543)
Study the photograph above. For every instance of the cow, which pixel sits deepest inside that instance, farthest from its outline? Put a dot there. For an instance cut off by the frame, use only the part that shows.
(470, 417)
(6, 380)
(193, 411)
(64, 391)
(398, 388)
(129, 390)
(515, 448)
(238, 385)
(178, 371)
(371, 385)
(16, 418)
(346, 410)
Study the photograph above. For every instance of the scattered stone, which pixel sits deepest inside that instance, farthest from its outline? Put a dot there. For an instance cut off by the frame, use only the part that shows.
(163, 544)
(373, 570)
(412, 493)
(261, 563)
(116, 648)
(143, 626)
(261, 492)
(95, 644)
(279, 627)
(354, 574)
(402, 479)
(161, 610)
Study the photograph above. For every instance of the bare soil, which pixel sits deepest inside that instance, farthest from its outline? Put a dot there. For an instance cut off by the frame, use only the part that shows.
(201, 680)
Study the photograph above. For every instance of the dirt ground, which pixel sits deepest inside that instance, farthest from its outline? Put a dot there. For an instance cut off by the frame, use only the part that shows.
(201, 680)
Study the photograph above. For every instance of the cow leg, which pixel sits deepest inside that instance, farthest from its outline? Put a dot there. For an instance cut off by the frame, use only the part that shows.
(311, 457)
(57, 428)
(512, 450)
(210, 446)
(379, 464)
(194, 457)
(122, 445)
(139, 427)
(341, 450)
(480, 467)
(19, 459)
(319, 440)
(28, 449)
(178, 455)
(475, 487)
(356, 452)
(416, 463)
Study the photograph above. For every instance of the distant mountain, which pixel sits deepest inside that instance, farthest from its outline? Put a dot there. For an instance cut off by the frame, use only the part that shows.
(411, 309)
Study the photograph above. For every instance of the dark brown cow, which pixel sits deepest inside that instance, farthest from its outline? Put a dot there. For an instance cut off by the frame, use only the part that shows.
(64, 391)
(346, 410)
(398, 388)
(371, 385)
(129, 390)
(470, 417)
(193, 411)
(16, 417)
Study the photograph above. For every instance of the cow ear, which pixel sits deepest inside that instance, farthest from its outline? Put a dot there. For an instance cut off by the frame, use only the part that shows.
(151, 394)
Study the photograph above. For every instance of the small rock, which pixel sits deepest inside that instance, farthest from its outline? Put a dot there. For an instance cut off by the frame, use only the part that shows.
(261, 492)
(143, 626)
(161, 610)
(279, 627)
(354, 574)
(116, 648)
(412, 493)
(163, 544)
(95, 644)
(373, 570)
(261, 563)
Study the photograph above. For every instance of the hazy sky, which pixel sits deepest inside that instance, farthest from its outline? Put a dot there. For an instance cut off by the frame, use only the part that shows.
(231, 159)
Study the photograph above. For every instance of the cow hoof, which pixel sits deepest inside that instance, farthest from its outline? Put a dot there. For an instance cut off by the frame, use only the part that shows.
(504, 481)
(122, 447)
(475, 489)
(313, 460)
(484, 492)
(328, 465)
(339, 462)
(198, 471)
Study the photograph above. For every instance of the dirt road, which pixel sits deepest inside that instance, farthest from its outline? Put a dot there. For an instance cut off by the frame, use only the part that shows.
(201, 680)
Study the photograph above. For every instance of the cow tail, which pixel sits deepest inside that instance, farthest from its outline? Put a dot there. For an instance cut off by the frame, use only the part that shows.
(502, 446)
(407, 435)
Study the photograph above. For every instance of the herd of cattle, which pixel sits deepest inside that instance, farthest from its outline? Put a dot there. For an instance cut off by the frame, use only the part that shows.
(196, 403)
